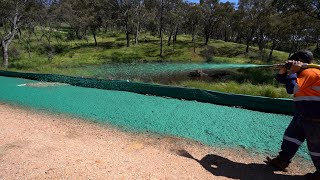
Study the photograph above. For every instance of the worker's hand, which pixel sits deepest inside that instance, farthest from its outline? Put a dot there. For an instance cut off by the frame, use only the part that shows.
(295, 66)
(283, 70)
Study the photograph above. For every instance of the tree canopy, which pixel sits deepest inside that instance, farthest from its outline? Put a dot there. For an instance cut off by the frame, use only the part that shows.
(286, 25)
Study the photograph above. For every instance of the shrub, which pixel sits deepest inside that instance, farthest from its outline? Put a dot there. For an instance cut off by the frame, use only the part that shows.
(239, 88)
(121, 57)
(208, 53)
(15, 53)
(316, 53)
(71, 35)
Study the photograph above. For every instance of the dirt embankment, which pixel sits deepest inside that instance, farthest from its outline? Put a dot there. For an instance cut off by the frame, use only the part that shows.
(34, 145)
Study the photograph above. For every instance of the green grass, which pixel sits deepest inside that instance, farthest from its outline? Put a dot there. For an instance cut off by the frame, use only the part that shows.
(112, 49)
(239, 88)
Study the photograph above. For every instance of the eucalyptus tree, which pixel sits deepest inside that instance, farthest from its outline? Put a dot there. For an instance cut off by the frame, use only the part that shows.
(264, 14)
(150, 20)
(97, 13)
(301, 28)
(249, 20)
(161, 24)
(83, 16)
(209, 11)
(75, 15)
(278, 29)
(304, 16)
(46, 20)
(174, 18)
(193, 20)
(124, 12)
(315, 34)
(139, 14)
(158, 10)
(170, 18)
(238, 26)
(309, 7)
(225, 12)
(13, 14)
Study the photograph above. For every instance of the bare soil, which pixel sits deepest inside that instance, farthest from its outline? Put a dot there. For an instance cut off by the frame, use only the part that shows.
(38, 145)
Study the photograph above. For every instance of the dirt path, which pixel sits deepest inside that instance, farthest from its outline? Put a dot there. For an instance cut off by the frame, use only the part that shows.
(35, 145)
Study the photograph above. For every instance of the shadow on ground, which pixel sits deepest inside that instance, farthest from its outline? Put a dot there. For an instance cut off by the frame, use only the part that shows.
(221, 166)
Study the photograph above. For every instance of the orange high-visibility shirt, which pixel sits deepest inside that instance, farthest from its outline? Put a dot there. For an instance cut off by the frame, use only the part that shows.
(307, 93)
(308, 83)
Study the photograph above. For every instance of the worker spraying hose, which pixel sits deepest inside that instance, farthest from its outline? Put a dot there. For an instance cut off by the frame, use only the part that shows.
(302, 79)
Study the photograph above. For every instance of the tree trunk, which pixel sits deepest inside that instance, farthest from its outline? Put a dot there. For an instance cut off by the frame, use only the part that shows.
(238, 37)
(317, 47)
(175, 35)
(247, 48)
(5, 55)
(271, 51)
(194, 42)
(206, 39)
(225, 36)
(174, 38)
(270, 55)
(169, 39)
(6, 39)
(261, 44)
(127, 34)
(128, 39)
(161, 24)
(290, 51)
(261, 48)
(207, 34)
(137, 34)
(232, 37)
(249, 39)
(193, 38)
(29, 48)
(161, 43)
(79, 36)
(85, 37)
(95, 38)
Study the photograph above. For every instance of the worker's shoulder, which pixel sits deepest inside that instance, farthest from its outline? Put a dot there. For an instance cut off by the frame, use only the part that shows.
(310, 72)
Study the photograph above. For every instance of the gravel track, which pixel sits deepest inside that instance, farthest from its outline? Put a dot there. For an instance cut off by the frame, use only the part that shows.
(37, 145)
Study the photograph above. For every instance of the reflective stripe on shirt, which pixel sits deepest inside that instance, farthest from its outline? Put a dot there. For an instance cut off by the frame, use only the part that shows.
(296, 88)
(317, 88)
(307, 98)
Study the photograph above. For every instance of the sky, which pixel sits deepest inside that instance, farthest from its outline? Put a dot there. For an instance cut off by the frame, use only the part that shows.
(234, 1)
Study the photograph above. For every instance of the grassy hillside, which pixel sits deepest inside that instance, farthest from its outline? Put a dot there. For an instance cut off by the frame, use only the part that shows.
(64, 56)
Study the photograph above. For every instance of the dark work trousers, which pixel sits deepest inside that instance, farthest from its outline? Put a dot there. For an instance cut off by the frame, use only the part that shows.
(299, 130)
